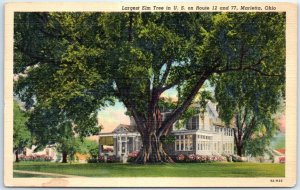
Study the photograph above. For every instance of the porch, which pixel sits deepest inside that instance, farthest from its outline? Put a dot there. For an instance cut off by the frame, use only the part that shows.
(119, 144)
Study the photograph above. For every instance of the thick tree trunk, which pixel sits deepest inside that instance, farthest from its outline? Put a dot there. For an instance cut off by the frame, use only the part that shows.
(64, 157)
(152, 150)
(17, 155)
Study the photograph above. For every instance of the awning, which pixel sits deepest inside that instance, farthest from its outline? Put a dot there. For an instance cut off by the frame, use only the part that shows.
(106, 141)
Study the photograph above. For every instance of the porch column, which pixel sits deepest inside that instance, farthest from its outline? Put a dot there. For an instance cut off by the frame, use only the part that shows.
(133, 143)
(115, 141)
(120, 145)
(126, 142)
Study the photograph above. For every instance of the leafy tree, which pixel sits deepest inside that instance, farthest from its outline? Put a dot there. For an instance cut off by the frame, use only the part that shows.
(51, 127)
(22, 136)
(250, 103)
(89, 58)
(89, 147)
(61, 92)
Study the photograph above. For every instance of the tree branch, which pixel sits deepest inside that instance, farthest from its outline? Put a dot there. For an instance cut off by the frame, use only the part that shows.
(250, 67)
(179, 111)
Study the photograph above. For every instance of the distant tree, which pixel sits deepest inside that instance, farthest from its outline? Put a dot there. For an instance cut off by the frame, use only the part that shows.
(78, 61)
(49, 126)
(250, 103)
(21, 136)
(89, 147)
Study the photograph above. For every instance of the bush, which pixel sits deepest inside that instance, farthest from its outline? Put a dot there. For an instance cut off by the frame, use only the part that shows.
(92, 160)
(132, 156)
(101, 159)
(181, 158)
(194, 158)
(36, 158)
(227, 157)
(282, 159)
(112, 159)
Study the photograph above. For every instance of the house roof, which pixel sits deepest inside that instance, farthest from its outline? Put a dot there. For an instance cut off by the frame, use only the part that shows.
(281, 150)
(124, 128)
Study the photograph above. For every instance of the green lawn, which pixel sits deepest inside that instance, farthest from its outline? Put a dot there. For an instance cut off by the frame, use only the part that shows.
(164, 170)
(31, 175)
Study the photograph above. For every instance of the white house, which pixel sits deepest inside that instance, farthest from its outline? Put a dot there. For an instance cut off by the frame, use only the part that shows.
(202, 134)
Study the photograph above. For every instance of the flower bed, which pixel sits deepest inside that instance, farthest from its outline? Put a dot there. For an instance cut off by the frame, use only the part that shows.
(101, 159)
(37, 158)
(132, 156)
(282, 159)
(194, 158)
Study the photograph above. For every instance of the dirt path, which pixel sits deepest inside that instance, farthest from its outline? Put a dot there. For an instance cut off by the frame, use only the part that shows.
(46, 174)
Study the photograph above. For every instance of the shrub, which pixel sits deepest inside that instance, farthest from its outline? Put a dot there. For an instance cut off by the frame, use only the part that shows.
(195, 158)
(192, 158)
(111, 159)
(36, 158)
(101, 159)
(227, 157)
(181, 158)
(92, 160)
(282, 159)
(132, 156)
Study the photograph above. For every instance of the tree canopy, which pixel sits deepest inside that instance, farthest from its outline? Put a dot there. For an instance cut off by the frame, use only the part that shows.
(250, 103)
(78, 62)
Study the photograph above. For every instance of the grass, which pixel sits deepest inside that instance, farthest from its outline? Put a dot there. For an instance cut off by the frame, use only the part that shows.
(239, 169)
(31, 175)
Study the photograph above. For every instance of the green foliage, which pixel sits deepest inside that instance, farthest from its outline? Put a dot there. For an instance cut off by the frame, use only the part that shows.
(51, 127)
(251, 103)
(89, 147)
(168, 139)
(262, 137)
(22, 136)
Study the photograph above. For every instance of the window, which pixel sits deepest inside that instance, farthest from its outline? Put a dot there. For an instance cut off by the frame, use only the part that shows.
(193, 123)
(184, 143)
(177, 145)
(216, 129)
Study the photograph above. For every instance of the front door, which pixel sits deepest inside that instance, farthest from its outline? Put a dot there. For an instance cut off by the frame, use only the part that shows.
(123, 148)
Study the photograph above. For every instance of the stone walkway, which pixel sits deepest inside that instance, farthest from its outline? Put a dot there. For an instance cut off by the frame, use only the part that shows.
(46, 174)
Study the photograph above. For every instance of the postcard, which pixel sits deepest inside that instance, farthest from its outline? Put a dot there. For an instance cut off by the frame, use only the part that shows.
(150, 94)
